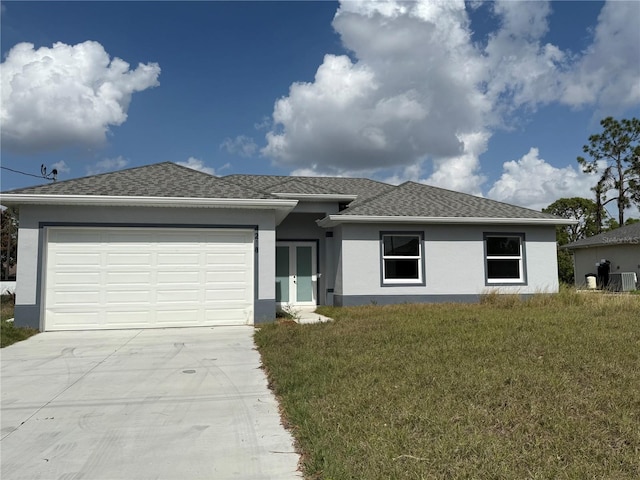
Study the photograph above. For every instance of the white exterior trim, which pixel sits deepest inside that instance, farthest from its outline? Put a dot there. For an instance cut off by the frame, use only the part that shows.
(318, 197)
(281, 207)
(333, 220)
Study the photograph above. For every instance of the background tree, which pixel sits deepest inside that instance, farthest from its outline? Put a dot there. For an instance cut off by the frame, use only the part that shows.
(615, 155)
(8, 242)
(588, 214)
(584, 210)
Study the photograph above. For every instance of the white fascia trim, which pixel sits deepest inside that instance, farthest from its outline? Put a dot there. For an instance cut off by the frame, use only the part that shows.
(332, 220)
(317, 197)
(282, 208)
(38, 199)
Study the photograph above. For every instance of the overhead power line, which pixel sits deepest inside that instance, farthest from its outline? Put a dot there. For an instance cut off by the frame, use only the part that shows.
(51, 176)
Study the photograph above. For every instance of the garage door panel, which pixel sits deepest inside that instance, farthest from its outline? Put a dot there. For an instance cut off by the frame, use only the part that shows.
(224, 276)
(221, 258)
(144, 278)
(127, 318)
(178, 258)
(170, 317)
(178, 276)
(127, 277)
(233, 315)
(129, 259)
(75, 320)
(72, 236)
(77, 297)
(178, 296)
(227, 294)
(127, 297)
(70, 278)
(71, 259)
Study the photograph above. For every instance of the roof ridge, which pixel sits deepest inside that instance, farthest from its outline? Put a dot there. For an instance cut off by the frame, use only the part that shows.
(370, 199)
(188, 168)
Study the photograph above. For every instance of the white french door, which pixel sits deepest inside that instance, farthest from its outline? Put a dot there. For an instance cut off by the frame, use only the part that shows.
(296, 274)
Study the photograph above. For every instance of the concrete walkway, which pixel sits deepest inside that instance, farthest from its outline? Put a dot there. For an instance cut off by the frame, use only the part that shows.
(308, 315)
(182, 403)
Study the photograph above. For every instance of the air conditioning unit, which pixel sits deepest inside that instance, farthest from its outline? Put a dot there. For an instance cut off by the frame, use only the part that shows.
(622, 281)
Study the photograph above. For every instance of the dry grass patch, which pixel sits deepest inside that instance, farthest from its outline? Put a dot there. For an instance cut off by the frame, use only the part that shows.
(546, 388)
(9, 333)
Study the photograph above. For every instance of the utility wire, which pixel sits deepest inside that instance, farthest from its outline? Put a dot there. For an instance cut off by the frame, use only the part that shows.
(24, 173)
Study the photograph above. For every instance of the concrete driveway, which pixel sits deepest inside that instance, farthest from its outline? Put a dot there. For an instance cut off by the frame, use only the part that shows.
(180, 403)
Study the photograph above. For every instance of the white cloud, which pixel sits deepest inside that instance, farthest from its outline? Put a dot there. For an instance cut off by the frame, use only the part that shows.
(607, 74)
(66, 95)
(533, 183)
(521, 71)
(241, 145)
(409, 94)
(107, 165)
(61, 166)
(197, 164)
(462, 173)
(416, 93)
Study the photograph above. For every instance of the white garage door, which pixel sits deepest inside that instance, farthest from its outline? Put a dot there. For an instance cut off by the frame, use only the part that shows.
(99, 278)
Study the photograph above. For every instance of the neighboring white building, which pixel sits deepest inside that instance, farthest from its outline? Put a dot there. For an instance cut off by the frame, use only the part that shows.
(619, 247)
(163, 245)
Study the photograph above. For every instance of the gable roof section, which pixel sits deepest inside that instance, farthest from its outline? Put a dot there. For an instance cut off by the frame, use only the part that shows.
(158, 180)
(626, 235)
(418, 203)
(158, 185)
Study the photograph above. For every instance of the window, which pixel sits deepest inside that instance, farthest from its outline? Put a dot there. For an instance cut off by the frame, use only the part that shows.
(402, 258)
(504, 258)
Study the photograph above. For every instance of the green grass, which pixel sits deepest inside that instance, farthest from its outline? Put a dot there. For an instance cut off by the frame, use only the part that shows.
(9, 333)
(505, 389)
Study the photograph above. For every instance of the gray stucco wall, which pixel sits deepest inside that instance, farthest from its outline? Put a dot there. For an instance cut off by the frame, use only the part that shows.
(31, 245)
(623, 258)
(454, 263)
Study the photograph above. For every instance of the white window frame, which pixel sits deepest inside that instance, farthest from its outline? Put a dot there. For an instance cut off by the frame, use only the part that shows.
(419, 258)
(520, 258)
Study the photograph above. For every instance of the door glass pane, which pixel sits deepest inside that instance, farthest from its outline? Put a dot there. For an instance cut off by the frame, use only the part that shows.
(304, 283)
(282, 274)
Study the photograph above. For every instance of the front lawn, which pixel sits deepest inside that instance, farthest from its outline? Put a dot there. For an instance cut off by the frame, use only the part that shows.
(547, 388)
(9, 333)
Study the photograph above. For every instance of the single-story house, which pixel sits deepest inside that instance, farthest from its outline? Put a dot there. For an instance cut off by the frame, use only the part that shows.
(163, 245)
(616, 252)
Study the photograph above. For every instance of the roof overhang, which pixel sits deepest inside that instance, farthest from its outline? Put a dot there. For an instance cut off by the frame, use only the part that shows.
(282, 207)
(317, 197)
(333, 220)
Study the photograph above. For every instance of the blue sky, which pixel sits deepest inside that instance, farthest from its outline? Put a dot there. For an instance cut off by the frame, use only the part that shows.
(490, 98)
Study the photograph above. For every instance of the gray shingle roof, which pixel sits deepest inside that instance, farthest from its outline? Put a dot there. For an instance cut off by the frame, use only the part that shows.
(373, 198)
(158, 180)
(628, 234)
(417, 200)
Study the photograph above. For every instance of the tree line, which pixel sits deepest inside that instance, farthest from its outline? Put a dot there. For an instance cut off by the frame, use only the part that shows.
(614, 161)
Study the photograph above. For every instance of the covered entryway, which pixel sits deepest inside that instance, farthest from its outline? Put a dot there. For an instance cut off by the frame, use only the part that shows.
(296, 274)
(117, 277)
